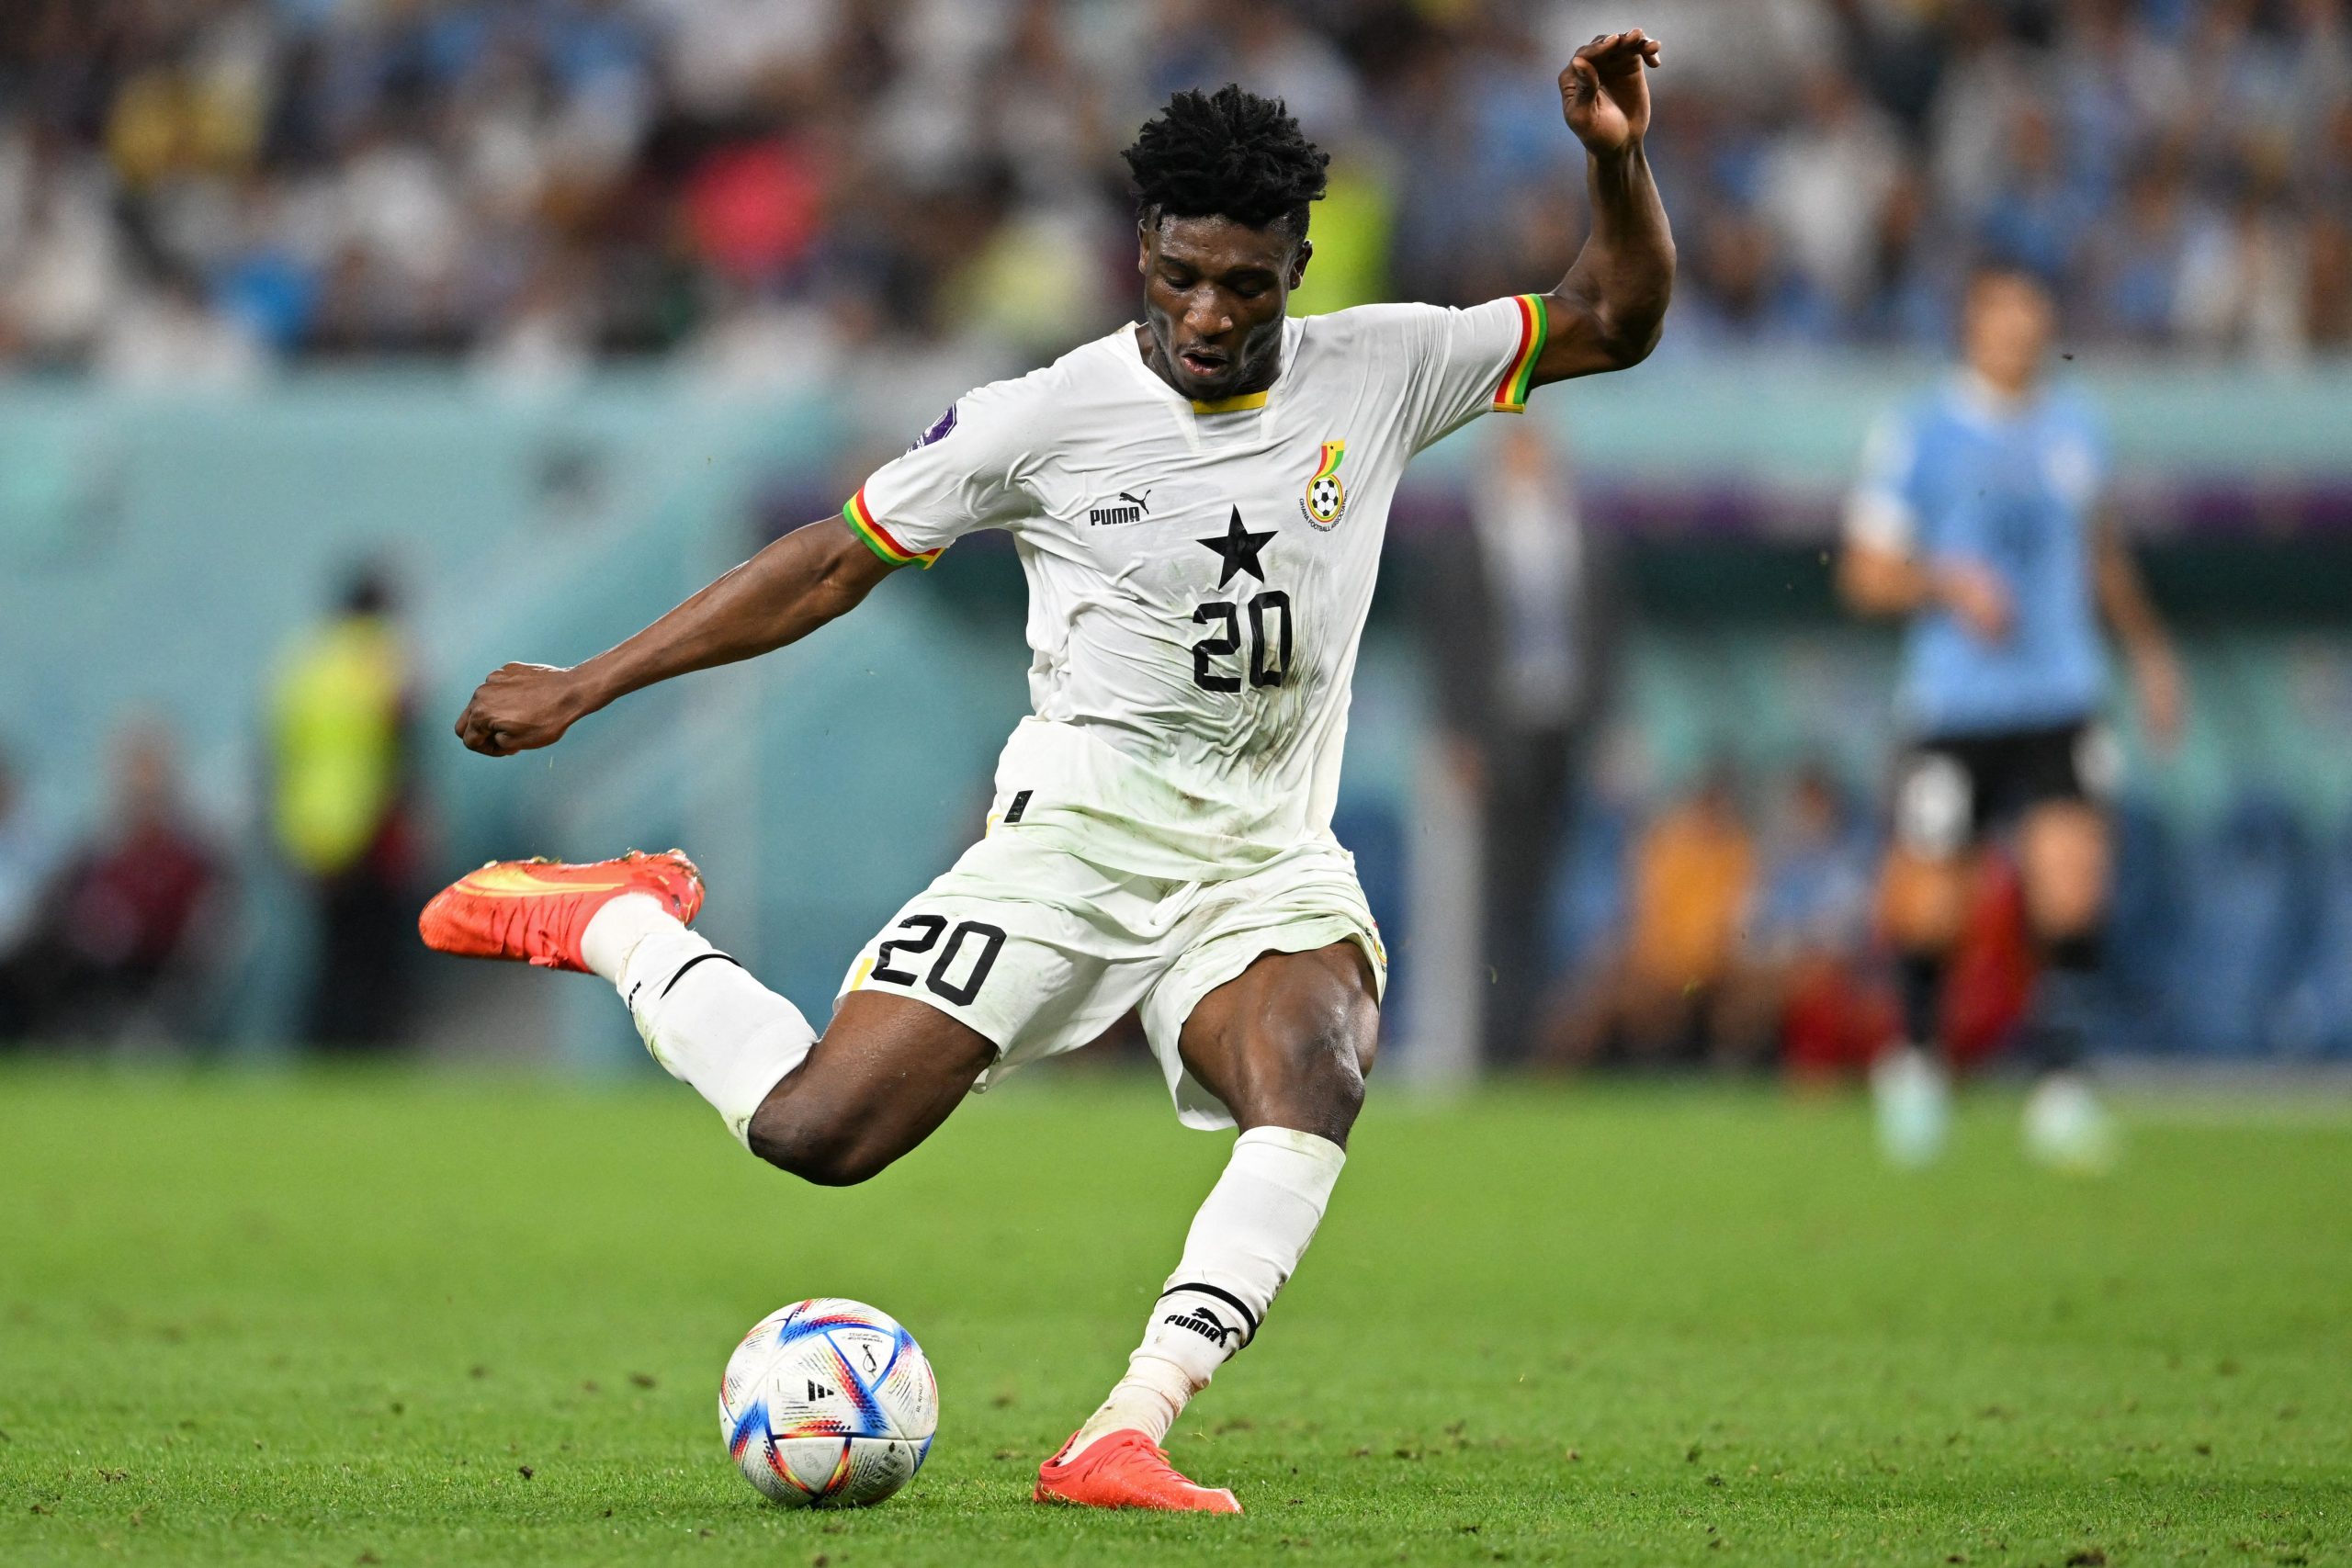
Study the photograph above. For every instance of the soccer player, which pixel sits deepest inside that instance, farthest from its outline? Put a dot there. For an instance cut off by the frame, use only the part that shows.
(1979, 519)
(1198, 503)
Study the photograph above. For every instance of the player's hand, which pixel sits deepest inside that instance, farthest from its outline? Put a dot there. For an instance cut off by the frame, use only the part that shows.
(2163, 695)
(1603, 94)
(520, 707)
(1978, 596)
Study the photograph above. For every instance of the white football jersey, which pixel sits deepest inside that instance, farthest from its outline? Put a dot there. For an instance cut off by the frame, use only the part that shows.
(1199, 573)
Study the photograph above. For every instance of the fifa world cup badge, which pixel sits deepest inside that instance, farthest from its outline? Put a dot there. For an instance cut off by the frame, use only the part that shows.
(1325, 498)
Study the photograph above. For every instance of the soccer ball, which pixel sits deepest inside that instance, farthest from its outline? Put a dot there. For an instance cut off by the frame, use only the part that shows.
(828, 1404)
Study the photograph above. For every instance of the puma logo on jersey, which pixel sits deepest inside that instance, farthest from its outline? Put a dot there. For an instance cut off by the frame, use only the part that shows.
(1109, 516)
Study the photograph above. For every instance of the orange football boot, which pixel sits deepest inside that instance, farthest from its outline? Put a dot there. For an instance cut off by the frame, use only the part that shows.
(537, 909)
(1126, 1470)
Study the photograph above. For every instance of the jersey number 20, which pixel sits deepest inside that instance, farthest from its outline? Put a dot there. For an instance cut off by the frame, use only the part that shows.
(941, 978)
(1269, 654)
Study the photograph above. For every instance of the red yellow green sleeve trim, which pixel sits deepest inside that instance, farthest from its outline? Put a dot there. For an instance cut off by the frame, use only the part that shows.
(1534, 326)
(863, 522)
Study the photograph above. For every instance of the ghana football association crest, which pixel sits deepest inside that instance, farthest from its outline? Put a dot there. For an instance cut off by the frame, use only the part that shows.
(1325, 496)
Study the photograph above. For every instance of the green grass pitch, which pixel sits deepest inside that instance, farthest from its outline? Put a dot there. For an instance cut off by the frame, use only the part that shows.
(382, 1318)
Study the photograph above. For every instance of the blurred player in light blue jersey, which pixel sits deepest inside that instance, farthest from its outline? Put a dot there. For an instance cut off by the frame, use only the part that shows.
(1979, 519)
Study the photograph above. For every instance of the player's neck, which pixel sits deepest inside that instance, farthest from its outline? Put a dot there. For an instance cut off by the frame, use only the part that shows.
(1998, 399)
(1258, 381)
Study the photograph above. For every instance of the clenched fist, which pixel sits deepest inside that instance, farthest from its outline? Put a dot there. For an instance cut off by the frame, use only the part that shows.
(1603, 93)
(520, 707)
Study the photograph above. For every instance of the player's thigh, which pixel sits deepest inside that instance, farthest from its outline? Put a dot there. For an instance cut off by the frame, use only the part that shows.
(1018, 951)
(1923, 885)
(2064, 779)
(2063, 860)
(1285, 1042)
(888, 1071)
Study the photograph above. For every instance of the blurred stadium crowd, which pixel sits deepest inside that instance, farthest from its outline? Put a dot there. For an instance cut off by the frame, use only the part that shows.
(192, 191)
(767, 192)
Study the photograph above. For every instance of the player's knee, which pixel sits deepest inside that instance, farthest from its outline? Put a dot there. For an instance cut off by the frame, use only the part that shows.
(838, 1166)
(822, 1161)
(1923, 900)
(2065, 873)
(1334, 1066)
(1313, 1078)
(820, 1151)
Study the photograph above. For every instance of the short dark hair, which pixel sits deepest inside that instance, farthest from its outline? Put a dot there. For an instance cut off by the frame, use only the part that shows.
(368, 590)
(1226, 154)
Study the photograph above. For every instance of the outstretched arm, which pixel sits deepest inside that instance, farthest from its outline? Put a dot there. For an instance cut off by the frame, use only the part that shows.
(1606, 314)
(789, 590)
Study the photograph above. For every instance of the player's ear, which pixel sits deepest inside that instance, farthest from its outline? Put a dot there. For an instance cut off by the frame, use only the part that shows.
(1298, 263)
(1144, 229)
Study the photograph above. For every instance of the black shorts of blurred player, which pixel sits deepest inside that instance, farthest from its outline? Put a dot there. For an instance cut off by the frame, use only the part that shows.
(1953, 794)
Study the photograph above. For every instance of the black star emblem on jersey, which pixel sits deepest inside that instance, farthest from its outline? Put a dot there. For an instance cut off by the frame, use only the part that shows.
(1239, 548)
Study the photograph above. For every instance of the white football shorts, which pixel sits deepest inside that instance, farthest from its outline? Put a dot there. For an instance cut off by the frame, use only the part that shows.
(1040, 950)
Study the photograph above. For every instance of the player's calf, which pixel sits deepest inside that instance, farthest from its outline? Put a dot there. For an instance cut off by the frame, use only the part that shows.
(1283, 1046)
(1287, 1043)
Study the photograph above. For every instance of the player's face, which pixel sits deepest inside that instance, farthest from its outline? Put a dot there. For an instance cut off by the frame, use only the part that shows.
(2007, 330)
(1214, 293)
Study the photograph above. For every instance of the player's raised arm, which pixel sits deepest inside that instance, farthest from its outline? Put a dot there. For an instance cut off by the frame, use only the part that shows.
(779, 596)
(1606, 313)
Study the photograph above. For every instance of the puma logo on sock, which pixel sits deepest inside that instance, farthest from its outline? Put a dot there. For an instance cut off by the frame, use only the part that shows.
(1202, 1322)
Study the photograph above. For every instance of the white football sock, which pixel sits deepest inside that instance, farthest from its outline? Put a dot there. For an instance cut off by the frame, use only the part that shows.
(615, 930)
(1245, 1242)
(701, 1014)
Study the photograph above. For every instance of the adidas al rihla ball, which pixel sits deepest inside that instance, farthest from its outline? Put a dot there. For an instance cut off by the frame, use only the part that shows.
(828, 1404)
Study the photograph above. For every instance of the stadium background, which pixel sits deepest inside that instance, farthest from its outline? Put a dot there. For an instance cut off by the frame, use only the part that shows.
(550, 311)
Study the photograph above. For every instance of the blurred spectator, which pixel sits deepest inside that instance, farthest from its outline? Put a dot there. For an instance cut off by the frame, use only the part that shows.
(1691, 876)
(1512, 622)
(2138, 257)
(339, 727)
(217, 182)
(1988, 77)
(171, 339)
(2242, 282)
(25, 858)
(1910, 267)
(125, 940)
(1825, 183)
(1810, 924)
(2039, 218)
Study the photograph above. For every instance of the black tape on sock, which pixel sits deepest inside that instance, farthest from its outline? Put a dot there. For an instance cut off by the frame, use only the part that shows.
(1205, 1322)
(689, 964)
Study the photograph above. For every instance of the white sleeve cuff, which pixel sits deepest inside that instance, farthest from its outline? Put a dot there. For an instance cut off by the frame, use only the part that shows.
(1879, 521)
